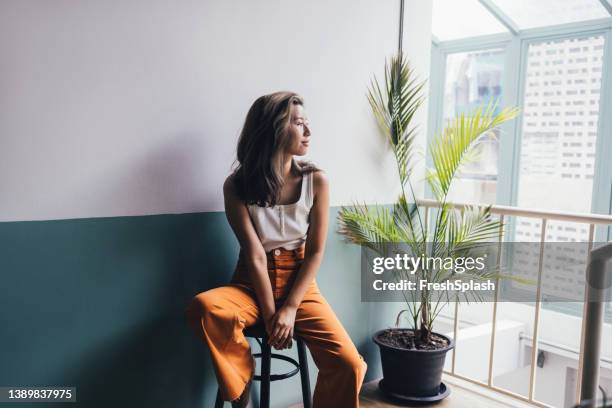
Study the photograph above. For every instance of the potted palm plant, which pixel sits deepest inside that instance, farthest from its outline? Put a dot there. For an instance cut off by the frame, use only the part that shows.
(413, 358)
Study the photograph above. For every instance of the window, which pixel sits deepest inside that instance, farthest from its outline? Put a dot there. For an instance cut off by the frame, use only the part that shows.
(530, 13)
(474, 79)
(544, 160)
(447, 27)
(541, 182)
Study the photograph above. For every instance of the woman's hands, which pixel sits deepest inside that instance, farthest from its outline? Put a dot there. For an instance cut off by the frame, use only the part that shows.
(280, 327)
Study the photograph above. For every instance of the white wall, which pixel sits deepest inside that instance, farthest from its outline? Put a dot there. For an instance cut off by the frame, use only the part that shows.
(112, 108)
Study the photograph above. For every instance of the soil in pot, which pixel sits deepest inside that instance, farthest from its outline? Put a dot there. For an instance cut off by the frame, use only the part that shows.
(406, 339)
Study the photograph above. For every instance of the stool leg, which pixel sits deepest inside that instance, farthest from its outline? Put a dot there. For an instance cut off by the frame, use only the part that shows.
(219, 400)
(303, 360)
(266, 356)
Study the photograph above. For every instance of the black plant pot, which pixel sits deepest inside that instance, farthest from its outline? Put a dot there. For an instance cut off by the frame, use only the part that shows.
(413, 375)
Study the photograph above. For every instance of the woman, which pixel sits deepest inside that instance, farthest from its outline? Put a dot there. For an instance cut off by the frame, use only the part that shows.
(278, 208)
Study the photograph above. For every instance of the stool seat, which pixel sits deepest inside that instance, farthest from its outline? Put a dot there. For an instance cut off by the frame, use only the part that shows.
(258, 332)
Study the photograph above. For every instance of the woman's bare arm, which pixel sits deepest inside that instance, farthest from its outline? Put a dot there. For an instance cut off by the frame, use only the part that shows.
(238, 216)
(284, 319)
(315, 240)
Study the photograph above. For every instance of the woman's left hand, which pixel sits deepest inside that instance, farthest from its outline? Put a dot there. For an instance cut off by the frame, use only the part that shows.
(282, 324)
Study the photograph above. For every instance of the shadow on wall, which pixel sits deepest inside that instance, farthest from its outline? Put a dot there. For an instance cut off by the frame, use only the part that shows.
(174, 174)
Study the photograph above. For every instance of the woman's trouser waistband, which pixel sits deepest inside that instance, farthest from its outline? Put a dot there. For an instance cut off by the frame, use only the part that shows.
(282, 264)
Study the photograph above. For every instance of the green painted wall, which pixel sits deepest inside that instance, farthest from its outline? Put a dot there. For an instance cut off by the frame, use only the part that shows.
(98, 304)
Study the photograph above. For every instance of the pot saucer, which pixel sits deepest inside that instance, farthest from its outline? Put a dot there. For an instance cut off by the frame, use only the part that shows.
(442, 393)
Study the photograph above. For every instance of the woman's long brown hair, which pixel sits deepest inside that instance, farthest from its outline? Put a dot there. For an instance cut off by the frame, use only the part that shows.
(263, 140)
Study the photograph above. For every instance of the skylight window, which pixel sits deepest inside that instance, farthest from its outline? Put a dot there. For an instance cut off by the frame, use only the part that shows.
(542, 13)
(455, 19)
(458, 19)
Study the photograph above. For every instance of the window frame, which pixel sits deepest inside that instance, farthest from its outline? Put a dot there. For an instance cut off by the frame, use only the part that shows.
(514, 78)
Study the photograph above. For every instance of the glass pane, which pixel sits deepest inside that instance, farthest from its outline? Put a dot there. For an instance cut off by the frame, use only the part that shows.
(563, 275)
(474, 79)
(516, 314)
(512, 355)
(474, 338)
(453, 19)
(560, 113)
(540, 13)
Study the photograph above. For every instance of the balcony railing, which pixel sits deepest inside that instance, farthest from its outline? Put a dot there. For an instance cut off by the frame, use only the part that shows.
(592, 314)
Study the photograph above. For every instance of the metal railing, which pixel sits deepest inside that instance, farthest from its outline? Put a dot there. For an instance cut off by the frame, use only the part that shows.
(593, 310)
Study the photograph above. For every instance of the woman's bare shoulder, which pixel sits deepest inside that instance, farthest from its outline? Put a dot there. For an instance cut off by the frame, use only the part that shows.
(320, 181)
(229, 187)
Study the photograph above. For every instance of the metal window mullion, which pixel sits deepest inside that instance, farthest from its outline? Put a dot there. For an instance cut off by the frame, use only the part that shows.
(475, 44)
(568, 29)
(536, 320)
(506, 178)
(533, 34)
(500, 16)
(436, 102)
(564, 35)
(607, 6)
(521, 76)
(426, 226)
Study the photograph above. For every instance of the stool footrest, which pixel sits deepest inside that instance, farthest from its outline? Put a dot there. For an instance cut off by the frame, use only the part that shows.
(277, 377)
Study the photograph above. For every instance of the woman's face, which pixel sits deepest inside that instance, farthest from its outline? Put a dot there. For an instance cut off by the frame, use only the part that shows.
(299, 132)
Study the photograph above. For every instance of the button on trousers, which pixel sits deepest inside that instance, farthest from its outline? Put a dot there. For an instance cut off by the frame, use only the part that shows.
(219, 315)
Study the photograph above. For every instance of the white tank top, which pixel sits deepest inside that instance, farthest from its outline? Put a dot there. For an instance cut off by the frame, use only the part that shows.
(284, 225)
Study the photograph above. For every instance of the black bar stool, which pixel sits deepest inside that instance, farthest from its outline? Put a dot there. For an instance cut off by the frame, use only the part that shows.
(258, 332)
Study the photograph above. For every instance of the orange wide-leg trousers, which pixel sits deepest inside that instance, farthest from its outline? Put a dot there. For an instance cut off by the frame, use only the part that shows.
(219, 315)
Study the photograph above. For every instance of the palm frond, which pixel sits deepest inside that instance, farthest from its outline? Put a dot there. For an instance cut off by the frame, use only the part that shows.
(454, 146)
(474, 224)
(405, 216)
(370, 228)
(395, 108)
